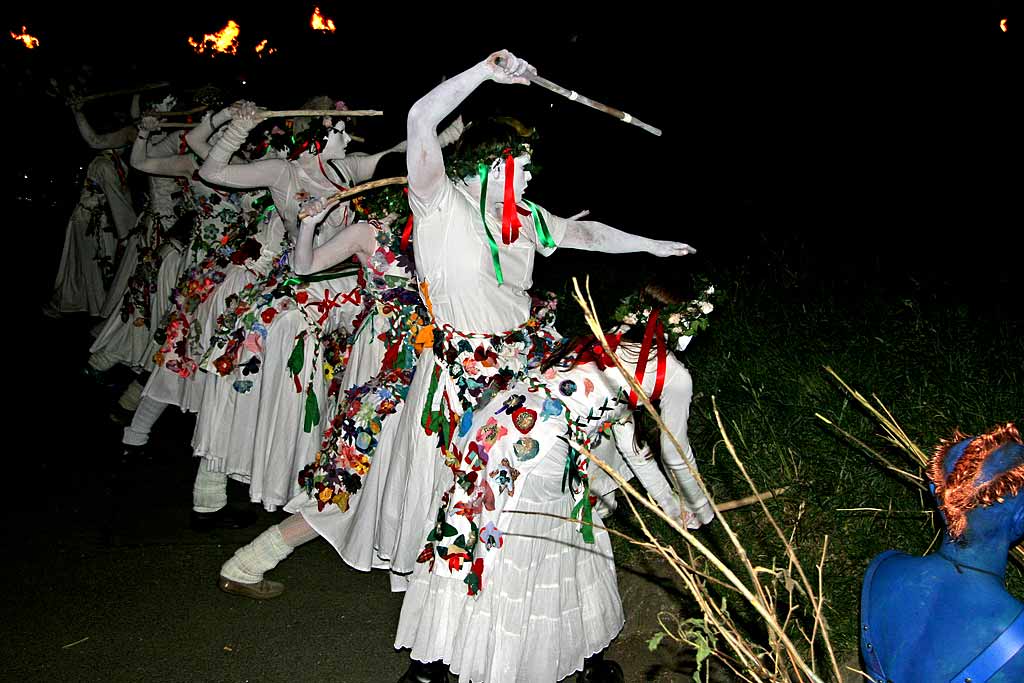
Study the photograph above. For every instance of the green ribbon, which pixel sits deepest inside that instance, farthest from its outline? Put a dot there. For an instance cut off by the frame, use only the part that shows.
(543, 234)
(320, 277)
(484, 170)
(298, 356)
(586, 514)
(312, 411)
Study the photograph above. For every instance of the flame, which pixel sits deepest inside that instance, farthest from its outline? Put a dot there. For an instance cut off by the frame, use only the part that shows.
(33, 42)
(317, 22)
(262, 46)
(1002, 25)
(225, 40)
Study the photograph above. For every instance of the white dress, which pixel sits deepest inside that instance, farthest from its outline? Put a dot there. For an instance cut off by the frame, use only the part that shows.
(134, 306)
(270, 430)
(503, 596)
(342, 487)
(221, 227)
(474, 317)
(89, 259)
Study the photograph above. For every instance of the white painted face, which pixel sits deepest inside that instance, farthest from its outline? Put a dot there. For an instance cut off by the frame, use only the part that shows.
(520, 179)
(337, 139)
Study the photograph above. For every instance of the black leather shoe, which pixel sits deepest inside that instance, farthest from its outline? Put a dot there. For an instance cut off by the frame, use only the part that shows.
(597, 669)
(430, 672)
(225, 518)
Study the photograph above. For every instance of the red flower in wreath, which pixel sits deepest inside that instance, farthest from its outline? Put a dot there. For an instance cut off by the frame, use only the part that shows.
(268, 315)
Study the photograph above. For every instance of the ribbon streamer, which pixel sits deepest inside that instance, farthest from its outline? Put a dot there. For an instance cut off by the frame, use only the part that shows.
(483, 171)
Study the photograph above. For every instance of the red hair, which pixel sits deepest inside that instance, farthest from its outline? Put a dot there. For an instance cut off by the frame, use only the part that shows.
(959, 492)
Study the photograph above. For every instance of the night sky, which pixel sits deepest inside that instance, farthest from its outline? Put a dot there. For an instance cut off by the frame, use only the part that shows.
(857, 139)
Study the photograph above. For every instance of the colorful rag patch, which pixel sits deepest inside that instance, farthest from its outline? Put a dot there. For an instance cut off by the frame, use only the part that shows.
(526, 449)
(524, 419)
(567, 387)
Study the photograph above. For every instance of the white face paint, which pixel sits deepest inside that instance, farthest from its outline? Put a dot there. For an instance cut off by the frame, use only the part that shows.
(520, 179)
(337, 140)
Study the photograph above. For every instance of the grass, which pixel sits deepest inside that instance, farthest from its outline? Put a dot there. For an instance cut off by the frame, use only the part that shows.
(936, 361)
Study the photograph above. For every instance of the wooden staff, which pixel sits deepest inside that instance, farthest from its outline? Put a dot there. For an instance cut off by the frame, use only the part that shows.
(576, 97)
(176, 124)
(359, 189)
(126, 91)
(318, 112)
(184, 112)
(749, 500)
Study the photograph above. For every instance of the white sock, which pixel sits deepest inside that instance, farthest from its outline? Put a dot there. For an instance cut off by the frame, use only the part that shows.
(146, 415)
(131, 396)
(250, 562)
(102, 361)
(210, 491)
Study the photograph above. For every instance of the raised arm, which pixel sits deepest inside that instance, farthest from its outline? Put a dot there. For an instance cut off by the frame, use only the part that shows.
(675, 413)
(218, 169)
(423, 157)
(198, 137)
(358, 239)
(594, 236)
(181, 166)
(115, 140)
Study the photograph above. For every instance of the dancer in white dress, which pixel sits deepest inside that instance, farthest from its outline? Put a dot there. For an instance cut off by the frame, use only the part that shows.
(133, 307)
(198, 268)
(99, 223)
(506, 591)
(270, 339)
(340, 496)
(476, 289)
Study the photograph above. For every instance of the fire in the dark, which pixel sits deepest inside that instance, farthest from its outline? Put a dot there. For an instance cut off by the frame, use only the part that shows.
(29, 41)
(320, 23)
(225, 40)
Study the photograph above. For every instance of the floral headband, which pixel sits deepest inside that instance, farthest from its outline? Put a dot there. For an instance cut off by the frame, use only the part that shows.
(681, 321)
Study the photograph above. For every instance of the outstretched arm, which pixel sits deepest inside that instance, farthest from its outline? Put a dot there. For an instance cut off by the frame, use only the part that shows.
(424, 160)
(180, 166)
(217, 168)
(594, 236)
(357, 238)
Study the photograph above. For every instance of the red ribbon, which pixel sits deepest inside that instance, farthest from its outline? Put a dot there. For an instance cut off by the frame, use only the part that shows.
(407, 233)
(653, 327)
(509, 216)
(353, 297)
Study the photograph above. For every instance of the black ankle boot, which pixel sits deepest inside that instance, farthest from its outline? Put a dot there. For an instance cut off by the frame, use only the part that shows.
(597, 669)
(430, 672)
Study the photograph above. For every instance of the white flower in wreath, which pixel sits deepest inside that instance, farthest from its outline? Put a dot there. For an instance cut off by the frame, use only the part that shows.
(675, 318)
(706, 307)
(646, 313)
(630, 319)
(711, 289)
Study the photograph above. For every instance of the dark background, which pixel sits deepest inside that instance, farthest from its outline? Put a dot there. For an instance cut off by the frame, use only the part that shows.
(862, 145)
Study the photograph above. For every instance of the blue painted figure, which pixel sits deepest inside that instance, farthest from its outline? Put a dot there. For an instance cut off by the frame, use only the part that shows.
(947, 617)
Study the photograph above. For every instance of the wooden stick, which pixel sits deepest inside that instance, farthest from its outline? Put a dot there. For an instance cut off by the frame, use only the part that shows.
(750, 500)
(126, 91)
(184, 112)
(359, 189)
(576, 97)
(177, 124)
(318, 112)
